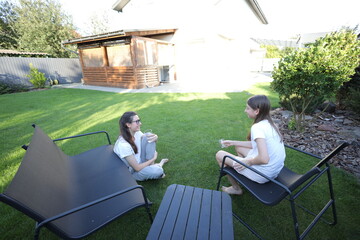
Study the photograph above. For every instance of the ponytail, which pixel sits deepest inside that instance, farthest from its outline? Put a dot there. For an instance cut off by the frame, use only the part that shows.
(127, 117)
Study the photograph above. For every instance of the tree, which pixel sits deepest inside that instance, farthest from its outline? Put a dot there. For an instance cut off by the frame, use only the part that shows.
(41, 26)
(273, 51)
(310, 75)
(8, 35)
(99, 23)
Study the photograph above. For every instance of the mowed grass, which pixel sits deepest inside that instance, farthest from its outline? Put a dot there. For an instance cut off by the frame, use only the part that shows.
(189, 126)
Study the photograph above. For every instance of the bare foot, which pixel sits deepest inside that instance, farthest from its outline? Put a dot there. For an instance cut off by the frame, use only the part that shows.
(231, 190)
(163, 161)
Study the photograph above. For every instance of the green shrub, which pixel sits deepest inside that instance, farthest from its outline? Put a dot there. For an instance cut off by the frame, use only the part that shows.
(306, 76)
(6, 88)
(275, 52)
(348, 95)
(295, 103)
(292, 124)
(37, 78)
(353, 101)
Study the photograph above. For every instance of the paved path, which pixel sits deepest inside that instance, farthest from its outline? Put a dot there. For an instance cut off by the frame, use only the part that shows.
(182, 87)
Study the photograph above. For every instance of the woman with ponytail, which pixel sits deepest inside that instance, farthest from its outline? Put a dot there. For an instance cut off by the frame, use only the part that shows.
(138, 151)
(264, 150)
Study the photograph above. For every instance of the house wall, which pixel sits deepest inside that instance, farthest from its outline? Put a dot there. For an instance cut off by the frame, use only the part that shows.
(216, 49)
(13, 70)
(212, 43)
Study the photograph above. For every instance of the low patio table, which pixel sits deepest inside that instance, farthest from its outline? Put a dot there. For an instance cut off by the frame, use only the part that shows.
(193, 213)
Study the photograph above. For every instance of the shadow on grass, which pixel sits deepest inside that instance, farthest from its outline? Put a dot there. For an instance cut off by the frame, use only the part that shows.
(189, 126)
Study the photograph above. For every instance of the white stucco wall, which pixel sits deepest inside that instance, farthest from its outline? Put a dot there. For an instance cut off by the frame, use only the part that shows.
(212, 43)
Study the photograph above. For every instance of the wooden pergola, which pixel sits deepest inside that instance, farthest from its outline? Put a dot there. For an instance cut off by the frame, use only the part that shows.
(128, 59)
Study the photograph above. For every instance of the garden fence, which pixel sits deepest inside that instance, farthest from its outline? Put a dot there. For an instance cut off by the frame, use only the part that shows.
(13, 70)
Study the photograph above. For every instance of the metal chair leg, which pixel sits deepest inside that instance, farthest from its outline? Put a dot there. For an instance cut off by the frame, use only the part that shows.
(331, 195)
(295, 220)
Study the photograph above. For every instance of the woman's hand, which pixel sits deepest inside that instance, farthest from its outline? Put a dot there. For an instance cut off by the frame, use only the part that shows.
(238, 167)
(152, 161)
(138, 167)
(152, 137)
(226, 143)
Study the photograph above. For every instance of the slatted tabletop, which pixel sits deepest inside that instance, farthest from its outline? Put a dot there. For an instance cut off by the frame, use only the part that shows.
(193, 213)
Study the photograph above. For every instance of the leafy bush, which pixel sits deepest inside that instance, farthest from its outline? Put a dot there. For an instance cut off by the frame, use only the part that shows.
(37, 78)
(354, 100)
(310, 75)
(296, 103)
(6, 88)
(275, 52)
(348, 95)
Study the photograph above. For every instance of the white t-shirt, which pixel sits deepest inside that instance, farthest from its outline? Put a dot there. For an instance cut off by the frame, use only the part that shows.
(275, 148)
(123, 149)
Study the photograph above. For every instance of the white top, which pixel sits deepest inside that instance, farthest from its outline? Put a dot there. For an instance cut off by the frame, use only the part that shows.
(275, 148)
(123, 149)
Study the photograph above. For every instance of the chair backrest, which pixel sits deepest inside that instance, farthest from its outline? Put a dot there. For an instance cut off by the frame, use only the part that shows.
(293, 180)
(332, 154)
(41, 183)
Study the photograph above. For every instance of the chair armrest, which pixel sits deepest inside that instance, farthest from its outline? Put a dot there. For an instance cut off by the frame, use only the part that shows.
(75, 136)
(90, 204)
(85, 134)
(256, 171)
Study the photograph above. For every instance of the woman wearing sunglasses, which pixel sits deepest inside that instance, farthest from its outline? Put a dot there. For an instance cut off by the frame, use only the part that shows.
(137, 150)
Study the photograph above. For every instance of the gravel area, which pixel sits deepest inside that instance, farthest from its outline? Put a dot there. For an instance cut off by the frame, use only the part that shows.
(323, 133)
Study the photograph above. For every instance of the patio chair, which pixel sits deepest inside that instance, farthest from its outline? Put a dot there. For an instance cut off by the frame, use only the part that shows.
(288, 185)
(72, 196)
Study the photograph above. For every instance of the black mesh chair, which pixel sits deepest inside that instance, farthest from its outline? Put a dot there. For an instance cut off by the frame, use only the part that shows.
(72, 196)
(288, 185)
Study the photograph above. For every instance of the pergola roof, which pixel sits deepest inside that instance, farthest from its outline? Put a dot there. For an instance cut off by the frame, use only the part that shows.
(118, 35)
(279, 43)
(299, 42)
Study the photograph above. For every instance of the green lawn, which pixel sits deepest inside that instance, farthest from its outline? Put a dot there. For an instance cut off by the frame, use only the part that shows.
(189, 126)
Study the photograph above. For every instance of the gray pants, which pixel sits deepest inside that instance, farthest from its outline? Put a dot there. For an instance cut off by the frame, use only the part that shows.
(147, 149)
(153, 171)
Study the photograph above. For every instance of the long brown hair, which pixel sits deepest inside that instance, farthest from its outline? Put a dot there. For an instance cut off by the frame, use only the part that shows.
(127, 117)
(262, 103)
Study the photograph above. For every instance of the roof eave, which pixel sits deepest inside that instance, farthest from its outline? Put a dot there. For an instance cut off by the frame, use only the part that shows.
(255, 7)
(117, 34)
(119, 5)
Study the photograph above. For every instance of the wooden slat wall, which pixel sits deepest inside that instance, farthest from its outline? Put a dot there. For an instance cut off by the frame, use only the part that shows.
(147, 77)
(94, 76)
(123, 77)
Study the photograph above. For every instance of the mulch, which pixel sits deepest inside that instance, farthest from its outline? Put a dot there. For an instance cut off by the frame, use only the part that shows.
(323, 133)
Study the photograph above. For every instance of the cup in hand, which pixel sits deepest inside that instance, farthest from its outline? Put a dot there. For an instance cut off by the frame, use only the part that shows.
(221, 142)
(148, 133)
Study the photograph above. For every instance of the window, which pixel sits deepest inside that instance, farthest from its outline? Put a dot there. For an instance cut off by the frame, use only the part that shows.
(146, 52)
(140, 53)
(93, 57)
(119, 55)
